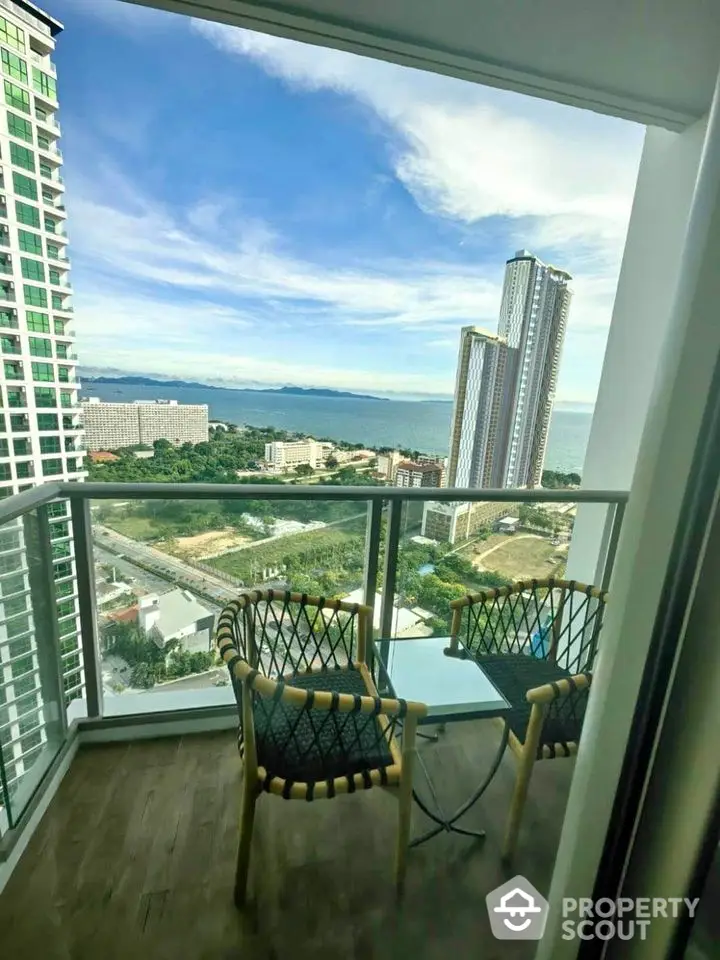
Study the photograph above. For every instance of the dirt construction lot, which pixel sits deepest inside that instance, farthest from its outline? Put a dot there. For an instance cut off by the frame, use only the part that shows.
(203, 544)
(521, 556)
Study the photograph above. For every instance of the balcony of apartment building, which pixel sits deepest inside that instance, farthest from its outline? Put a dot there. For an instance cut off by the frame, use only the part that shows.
(75, 444)
(49, 151)
(19, 423)
(16, 398)
(64, 352)
(72, 423)
(41, 60)
(7, 291)
(61, 303)
(53, 200)
(5, 264)
(57, 229)
(13, 369)
(4, 231)
(169, 755)
(9, 319)
(58, 278)
(46, 120)
(10, 344)
(56, 253)
(149, 781)
(45, 98)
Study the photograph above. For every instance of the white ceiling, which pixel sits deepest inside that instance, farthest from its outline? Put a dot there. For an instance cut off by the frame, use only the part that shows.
(654, 61)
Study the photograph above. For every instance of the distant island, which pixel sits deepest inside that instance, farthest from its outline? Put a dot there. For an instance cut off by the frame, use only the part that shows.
(283, 391)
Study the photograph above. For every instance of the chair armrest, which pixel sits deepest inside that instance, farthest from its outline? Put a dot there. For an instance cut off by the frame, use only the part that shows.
(561, 688)
(320, 699)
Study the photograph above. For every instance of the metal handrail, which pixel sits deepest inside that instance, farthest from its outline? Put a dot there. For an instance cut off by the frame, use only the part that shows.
(286, 491)
(44, 493)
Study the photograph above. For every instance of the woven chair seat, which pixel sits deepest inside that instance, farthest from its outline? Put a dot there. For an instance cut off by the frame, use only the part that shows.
(303, 745)
(514, 675)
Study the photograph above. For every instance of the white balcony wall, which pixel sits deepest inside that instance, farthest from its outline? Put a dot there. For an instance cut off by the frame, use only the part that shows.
(681, 390)
(641, 319)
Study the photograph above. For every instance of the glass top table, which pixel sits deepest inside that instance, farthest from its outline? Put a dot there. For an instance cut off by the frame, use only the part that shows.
(455, 688)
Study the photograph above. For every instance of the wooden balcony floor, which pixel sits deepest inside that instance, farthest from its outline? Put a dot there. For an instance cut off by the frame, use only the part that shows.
(135, 857)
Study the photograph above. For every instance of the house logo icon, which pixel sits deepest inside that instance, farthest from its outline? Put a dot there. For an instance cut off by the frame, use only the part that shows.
(517, 911)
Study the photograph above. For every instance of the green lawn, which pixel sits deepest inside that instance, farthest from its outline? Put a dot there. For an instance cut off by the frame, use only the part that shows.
(336, 548)
(137, 528)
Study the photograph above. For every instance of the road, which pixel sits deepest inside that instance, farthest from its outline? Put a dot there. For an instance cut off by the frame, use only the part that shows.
(201, 681)
(157, 571)
(127, 571)
(163, 567)
(279, 536)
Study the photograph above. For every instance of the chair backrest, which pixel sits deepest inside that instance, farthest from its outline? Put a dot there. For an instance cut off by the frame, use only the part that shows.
(555, 620)
(281, 633)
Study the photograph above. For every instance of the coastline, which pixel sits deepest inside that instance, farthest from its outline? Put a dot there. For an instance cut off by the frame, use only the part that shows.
(422, 425)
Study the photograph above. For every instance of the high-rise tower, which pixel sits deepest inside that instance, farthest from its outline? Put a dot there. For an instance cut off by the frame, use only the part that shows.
(505, 384)
(533, 317)
(478, 392)
(40, 424)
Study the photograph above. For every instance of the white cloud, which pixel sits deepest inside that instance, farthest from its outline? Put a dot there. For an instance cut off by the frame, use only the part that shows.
(158, 293)
(215, 344)
(467, 152)
(134, 237)
(564, 177)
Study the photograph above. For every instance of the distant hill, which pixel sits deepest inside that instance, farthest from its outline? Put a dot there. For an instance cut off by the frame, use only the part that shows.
(285, 391)
(147, 382)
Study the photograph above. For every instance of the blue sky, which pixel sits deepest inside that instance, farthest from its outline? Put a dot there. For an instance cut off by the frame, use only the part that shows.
(249, 210)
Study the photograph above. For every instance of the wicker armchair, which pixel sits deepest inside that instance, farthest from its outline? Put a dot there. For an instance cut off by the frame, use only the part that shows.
(537, 641)
(312, 724)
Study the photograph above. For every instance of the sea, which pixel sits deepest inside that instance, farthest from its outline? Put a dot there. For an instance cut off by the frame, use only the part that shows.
(415, 425)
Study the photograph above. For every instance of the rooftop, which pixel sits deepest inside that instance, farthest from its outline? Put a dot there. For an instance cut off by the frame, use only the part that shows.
(102, 456)
(55, 26)
(405, 621)
(425, 466)
(178, 610)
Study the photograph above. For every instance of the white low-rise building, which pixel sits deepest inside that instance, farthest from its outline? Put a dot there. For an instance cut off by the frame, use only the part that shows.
(284, 455)
(177, 615)
(407, 622)
(112, 426)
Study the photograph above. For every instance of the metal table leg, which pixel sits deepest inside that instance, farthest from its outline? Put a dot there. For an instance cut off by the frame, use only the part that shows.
(448, 823)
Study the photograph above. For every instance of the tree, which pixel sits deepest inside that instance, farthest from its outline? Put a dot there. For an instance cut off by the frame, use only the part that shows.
(554, 479)
(199, 662)
(331, 462)
(534, 517)
(143, 676)
(304, 470)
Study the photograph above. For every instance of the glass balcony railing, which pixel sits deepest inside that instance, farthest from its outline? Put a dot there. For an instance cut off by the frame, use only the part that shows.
(32, 716)
(43, 61)
(109, 593)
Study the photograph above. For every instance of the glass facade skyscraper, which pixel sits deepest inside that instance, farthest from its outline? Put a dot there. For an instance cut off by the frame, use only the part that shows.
(40, 424)
(505, 384)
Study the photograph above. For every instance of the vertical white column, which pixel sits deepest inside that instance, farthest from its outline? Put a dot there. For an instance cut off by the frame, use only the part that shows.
(641, 319)
(677, 402)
